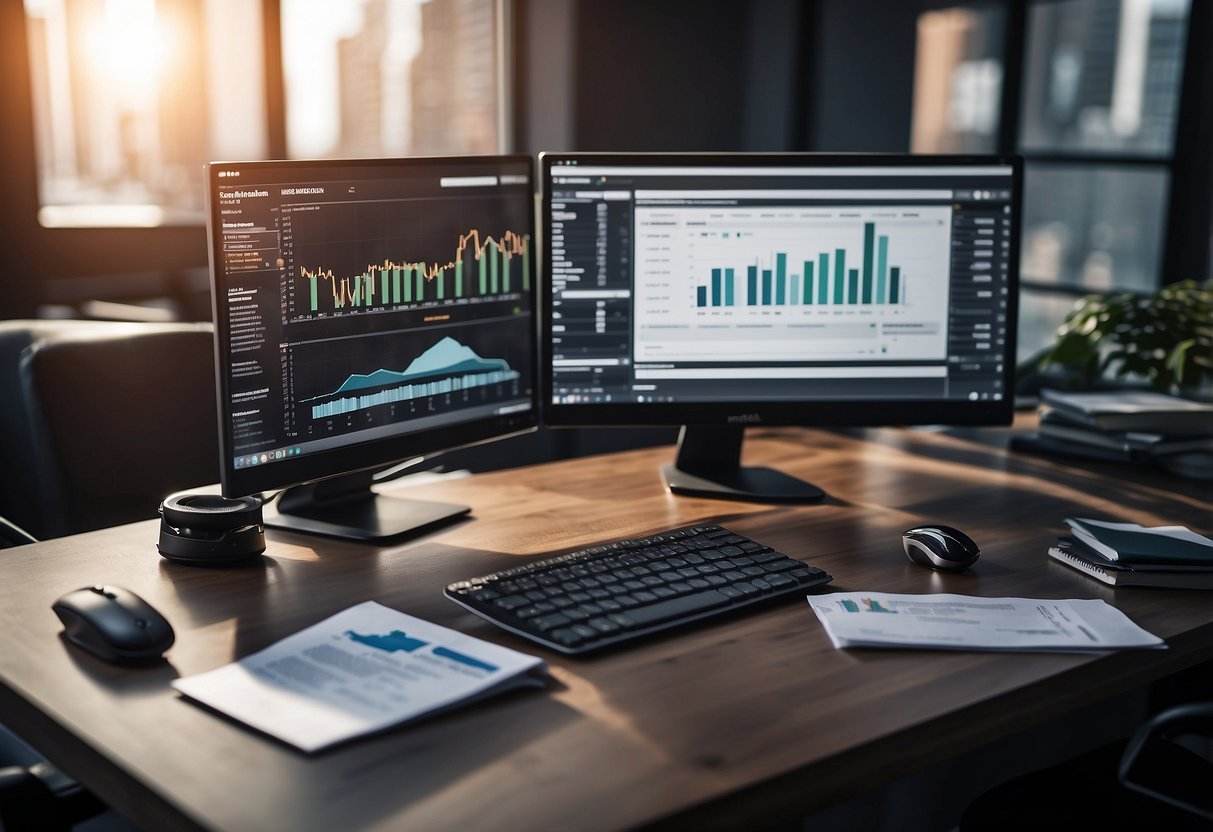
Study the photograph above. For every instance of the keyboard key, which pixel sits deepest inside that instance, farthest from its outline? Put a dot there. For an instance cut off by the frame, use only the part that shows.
(675, 607)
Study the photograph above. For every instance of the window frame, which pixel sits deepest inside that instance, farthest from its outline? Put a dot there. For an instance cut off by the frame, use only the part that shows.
(1184, 249)
(65, 267)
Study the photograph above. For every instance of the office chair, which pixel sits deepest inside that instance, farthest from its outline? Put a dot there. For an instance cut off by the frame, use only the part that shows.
(34, 795)
(20, 503)
(119, 417)
(1162, 777)
(1161, 762)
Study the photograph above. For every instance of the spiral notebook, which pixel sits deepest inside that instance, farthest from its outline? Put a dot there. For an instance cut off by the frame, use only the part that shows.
(1109, 572)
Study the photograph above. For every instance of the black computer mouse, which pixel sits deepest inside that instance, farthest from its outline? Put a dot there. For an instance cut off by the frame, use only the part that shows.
(939, 547)
(114, 624)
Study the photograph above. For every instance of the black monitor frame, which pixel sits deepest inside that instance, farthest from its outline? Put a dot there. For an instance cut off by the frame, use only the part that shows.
(329, 491)
(708, 462)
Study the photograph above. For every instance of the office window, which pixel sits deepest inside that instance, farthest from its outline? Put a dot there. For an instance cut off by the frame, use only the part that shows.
(1093, 227)
(1098, 112)
(958, 80)
(1097, 85)
(391, 77)
(1103, 75)
(131, 97)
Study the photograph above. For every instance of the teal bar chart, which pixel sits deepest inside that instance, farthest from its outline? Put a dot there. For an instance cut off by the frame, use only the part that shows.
(838, 277)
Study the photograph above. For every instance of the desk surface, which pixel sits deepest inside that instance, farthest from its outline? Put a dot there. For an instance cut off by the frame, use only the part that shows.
(756, 717)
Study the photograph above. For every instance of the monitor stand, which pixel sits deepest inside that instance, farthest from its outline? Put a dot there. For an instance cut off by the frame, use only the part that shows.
(709, 465)
(347, 508)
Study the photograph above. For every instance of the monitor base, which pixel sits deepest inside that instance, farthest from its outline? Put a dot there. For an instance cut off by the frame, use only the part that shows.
(347, 508)
(759, 485)
(708, 464)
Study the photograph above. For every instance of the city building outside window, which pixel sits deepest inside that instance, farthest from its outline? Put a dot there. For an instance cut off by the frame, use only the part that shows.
(132, 97)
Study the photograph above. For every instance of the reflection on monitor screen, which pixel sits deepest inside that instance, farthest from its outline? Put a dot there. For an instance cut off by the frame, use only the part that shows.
(719, 291)
(367, 312)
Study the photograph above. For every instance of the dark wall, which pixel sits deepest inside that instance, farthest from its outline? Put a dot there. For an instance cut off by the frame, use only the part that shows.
(659, 76)
(728, 75)
(858, 62)
(694, 75)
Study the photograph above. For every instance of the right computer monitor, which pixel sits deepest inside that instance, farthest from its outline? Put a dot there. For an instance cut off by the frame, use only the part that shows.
(722, 291)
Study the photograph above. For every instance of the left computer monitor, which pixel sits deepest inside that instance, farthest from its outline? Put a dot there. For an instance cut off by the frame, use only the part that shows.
(367, 312)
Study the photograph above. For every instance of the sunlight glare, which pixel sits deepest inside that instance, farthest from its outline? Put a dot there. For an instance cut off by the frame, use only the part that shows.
(131, 46)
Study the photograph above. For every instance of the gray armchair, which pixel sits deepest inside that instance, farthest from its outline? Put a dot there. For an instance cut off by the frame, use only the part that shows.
(114, 417)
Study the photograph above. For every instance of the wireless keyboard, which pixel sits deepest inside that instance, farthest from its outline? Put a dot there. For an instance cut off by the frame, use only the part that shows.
(614, 593)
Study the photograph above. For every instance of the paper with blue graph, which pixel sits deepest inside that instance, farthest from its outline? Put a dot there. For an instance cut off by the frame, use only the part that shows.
(362, 670)
(968, 622)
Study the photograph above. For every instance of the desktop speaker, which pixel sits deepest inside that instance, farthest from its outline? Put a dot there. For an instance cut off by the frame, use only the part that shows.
(209, 530)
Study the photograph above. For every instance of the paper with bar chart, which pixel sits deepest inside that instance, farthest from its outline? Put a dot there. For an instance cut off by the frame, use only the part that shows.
(362, 670)
(780, 283)
(967, 622)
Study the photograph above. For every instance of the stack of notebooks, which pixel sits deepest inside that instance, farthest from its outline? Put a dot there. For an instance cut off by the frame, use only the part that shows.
(1138, 426)
(1127, 554)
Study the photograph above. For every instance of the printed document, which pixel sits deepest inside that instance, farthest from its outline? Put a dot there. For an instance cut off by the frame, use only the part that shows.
(361, 670)
(966, 622)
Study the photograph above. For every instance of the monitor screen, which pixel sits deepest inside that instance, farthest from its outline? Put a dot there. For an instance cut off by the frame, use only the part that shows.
(367, 312)
(717, 291)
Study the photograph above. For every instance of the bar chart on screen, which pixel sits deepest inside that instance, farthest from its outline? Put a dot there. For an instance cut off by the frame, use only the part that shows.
(362, 257)
(780, 259)
(482, 265)
(792, 282)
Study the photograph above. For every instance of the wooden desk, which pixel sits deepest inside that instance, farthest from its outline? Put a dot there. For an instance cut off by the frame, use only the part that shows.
(749, 721)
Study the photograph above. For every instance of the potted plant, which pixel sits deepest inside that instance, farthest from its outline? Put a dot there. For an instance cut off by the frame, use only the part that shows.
(1164, 341)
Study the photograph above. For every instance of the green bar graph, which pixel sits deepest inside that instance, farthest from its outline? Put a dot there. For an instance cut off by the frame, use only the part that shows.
(808, 281)
(392, 282)
(853, 286)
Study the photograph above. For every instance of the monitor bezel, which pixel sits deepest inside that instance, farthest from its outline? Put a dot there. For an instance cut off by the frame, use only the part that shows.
(381, 453)
(790, 412)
